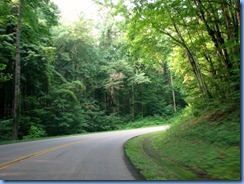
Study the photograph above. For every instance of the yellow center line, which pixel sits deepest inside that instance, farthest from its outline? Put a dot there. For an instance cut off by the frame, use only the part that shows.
(13, 162)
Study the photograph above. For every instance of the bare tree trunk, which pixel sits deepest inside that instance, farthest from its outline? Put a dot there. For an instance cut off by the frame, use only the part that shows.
(132, 102)
(173, 91)
(238, 14)
(17, 77)
(142, 105)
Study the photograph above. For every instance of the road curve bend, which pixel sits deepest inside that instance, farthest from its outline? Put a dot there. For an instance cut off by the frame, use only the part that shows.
(98, 156)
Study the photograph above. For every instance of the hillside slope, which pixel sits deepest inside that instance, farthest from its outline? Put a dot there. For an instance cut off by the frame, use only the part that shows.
(194, 148)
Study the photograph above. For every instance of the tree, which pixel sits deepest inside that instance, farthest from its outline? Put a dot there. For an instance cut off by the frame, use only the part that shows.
(201, 31)
(17, 76)
(31, 20)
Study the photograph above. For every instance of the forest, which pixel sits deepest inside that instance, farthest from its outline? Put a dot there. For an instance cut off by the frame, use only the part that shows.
(144, 59)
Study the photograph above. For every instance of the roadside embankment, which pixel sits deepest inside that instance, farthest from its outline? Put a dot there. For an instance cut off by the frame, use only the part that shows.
(206, 147)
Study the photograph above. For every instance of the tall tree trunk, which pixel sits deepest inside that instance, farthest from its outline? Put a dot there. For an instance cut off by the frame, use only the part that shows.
(17, 77)
(142, 104)
(132, 102)
(215, 33)
(194, 63)
(173, 91)
(238, 14)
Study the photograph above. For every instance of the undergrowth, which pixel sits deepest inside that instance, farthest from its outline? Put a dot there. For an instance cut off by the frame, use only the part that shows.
(146, 122)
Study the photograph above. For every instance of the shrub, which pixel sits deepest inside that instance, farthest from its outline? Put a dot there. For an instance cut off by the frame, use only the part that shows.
(35, 132)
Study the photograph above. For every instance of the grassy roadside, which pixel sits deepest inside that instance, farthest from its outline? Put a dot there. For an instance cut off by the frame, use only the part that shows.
(203, 148)
(152, 168)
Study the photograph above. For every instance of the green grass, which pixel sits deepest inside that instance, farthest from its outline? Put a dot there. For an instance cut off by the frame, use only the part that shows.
(203, 148)
(151, 168)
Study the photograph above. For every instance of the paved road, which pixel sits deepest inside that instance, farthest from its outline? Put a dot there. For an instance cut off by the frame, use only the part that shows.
(97, 156)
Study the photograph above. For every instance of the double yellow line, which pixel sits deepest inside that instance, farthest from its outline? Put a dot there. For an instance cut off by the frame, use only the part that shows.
(13, 162)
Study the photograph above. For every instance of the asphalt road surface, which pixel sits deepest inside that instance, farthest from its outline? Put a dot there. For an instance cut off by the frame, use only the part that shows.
(97, 156)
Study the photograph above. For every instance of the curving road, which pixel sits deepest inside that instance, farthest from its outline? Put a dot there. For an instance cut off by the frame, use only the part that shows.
(97, 156)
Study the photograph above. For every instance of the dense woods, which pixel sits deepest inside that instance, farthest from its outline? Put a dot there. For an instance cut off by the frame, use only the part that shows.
(148, 58)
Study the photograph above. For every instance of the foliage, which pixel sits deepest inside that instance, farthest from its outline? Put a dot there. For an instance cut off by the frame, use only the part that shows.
(146, 122)
(203, 55)
(140, 64)
(37, 17)
(4, 77)
(148, 61)
(35, 132)
(6, 129)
